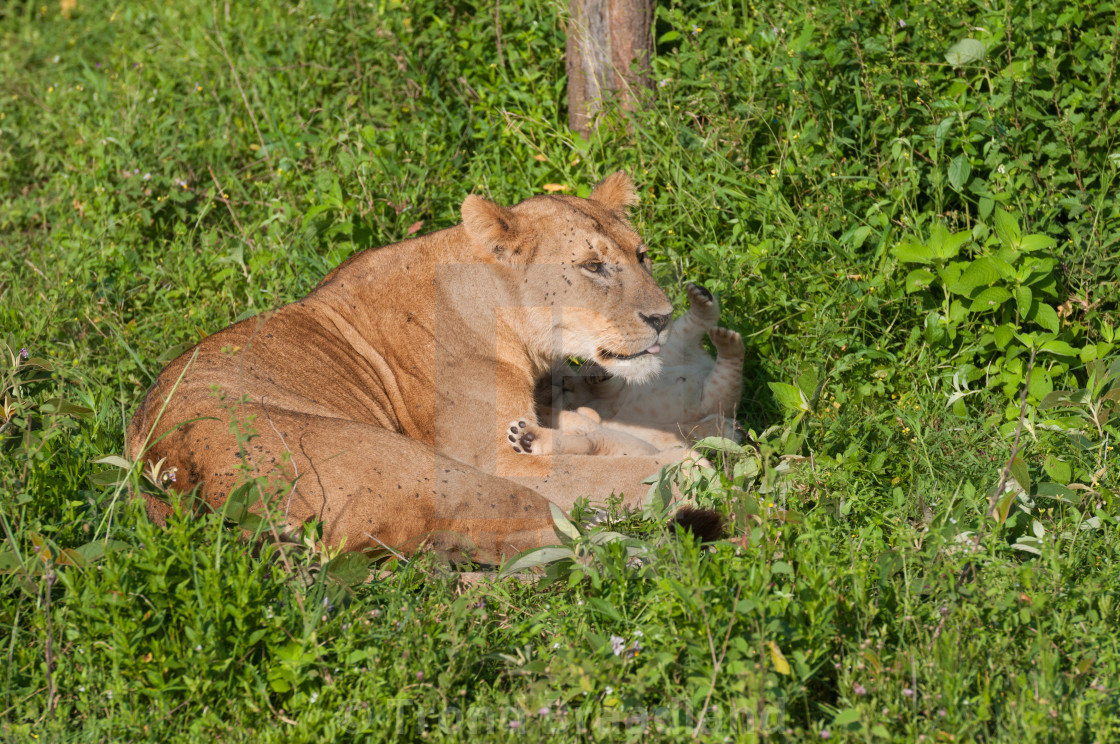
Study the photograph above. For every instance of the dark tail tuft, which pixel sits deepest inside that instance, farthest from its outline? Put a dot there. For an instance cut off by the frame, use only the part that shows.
(705, 524)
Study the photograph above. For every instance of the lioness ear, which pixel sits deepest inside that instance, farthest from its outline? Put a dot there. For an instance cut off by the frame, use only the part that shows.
(616, 191)
(492, 228)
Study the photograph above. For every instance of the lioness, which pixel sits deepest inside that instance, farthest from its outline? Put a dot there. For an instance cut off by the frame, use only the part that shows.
(384, 394)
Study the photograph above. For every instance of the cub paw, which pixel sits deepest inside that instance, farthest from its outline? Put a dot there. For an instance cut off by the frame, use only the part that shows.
(726, 341)
(523, 436)
(699, 297)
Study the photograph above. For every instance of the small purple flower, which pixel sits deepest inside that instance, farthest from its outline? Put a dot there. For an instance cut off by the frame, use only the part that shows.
(544, 711)
(826, 734)
(23, 353)
(901, 23)
(515, 725)
(908, 692)
(420, 676)
(859, 689)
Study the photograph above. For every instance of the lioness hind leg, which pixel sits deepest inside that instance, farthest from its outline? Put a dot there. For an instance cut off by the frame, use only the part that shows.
(725, 382)
(370, 488)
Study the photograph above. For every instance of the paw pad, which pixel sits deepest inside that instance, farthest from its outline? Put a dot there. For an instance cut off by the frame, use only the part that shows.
(521, 436)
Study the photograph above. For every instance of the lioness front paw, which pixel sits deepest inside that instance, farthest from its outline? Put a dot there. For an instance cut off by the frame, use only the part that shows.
(524, 437)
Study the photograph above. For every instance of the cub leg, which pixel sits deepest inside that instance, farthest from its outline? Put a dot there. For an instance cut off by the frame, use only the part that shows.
(703, 313)
(725, 383)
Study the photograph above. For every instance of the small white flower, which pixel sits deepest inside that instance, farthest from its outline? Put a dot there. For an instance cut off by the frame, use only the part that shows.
(314, 696)
(617, 645)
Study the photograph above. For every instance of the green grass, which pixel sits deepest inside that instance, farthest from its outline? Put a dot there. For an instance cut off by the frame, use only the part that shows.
(896, 232)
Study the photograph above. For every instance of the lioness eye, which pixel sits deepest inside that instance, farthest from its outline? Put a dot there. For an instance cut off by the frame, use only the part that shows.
(594, 266)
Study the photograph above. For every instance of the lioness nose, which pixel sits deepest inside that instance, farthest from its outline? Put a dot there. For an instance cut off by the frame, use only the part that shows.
(657, 322)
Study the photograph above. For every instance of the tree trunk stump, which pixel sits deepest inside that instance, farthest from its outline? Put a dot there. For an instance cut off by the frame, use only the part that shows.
(607, 39)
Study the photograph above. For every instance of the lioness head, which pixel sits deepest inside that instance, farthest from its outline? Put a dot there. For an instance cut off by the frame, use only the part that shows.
(581, 273)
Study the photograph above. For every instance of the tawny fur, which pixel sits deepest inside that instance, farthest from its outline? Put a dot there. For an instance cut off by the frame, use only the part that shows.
(385, 395)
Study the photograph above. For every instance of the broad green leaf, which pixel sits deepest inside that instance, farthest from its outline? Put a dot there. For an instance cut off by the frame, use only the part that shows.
(919, 279)
(789, 396)
(565, 530)
(1021, 474)
(846, 717)
(950, 273)
(989, 299)
(1000, 264)
(952, 245)
(913, 253)
(1023, 299)
(1054, 399)
(986, 205)
(660, 493)
(603, 537)
(1047, 317)
(959, 171)
(807, 380)
(720, 444)
(535, 557)
(64, 407)
(115, 460)
(1007, 229)
(1029, 544)
(1056, 491)
(979, 273)
(1057, 469)
(604, 607)
(933, 330)
(1061, 348)
(1036, 242)
(107, 478)
(965, 52)
(1003, 335)
(350, 568)
(938, 234)
(1040, 385)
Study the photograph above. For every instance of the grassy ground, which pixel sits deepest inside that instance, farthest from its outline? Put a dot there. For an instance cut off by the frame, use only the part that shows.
(916, 236)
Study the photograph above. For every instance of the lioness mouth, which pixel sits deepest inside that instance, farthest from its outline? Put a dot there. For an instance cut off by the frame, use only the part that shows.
(611, 355)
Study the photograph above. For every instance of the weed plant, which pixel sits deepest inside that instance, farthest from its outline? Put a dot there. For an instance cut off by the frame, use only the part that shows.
(909, 211)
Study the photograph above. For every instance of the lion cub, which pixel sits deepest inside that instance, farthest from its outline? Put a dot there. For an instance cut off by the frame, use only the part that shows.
(590, 412)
